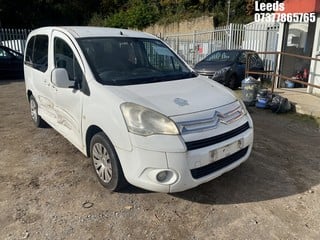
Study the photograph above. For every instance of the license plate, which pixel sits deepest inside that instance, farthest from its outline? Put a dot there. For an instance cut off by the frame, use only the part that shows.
(226, 151)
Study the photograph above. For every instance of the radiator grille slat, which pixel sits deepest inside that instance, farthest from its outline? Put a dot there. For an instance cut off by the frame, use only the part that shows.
(216, 139)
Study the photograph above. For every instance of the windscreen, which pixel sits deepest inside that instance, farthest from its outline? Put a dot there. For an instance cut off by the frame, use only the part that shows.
(126, 61)
(222, 56)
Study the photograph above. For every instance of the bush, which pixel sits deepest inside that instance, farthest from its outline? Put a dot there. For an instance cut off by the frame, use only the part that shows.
(137, 16)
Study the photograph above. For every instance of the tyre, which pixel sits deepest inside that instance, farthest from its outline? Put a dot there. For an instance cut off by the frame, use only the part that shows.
(106, 163)
(233, 82)
(37, 120)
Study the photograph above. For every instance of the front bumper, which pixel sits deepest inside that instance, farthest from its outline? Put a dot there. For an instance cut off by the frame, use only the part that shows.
(220, 78)
(184, 168)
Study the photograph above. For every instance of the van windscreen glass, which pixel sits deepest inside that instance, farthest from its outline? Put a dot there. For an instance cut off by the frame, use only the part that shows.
(126, 61)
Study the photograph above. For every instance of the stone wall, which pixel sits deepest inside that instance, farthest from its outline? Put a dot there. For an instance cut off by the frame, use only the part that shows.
(188, 26)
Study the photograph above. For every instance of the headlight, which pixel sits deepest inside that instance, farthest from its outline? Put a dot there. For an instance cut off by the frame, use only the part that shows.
(222, 71)
(144, 121)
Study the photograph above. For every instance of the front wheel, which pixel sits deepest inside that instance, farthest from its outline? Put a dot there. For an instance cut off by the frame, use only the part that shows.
(106, 163)
(232, 83)
(37, 120)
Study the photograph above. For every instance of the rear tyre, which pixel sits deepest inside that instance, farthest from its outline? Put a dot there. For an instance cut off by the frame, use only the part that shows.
(37, 120)
(106, 163)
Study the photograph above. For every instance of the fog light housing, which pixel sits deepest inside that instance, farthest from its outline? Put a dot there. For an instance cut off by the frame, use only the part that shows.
(163, 176)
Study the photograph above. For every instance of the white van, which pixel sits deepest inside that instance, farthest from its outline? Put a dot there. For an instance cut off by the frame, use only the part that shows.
(126, 100)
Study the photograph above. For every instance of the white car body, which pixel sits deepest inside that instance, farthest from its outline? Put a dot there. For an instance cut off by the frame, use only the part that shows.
(215, 130)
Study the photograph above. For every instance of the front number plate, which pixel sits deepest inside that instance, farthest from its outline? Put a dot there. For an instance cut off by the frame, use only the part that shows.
(227, 150)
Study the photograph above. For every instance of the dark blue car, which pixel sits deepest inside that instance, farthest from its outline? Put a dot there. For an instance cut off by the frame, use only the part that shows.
(228, 66)
(11, 64)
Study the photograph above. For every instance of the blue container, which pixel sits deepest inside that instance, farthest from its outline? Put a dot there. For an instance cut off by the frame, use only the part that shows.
(289, 84)
(262, 102)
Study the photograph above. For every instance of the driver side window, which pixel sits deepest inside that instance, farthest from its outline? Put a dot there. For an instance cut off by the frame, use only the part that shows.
(65, 58)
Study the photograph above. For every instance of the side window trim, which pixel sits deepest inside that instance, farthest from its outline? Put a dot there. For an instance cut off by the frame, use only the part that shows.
(63, 53)
(71, 44)
(29, 59)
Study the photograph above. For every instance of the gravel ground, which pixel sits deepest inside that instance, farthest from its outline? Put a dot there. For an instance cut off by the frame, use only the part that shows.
(48, 189)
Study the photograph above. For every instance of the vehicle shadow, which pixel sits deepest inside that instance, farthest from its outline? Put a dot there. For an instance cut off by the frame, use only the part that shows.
(284, 162)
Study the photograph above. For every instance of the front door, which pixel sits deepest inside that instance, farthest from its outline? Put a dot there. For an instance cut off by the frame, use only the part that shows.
(68, 101)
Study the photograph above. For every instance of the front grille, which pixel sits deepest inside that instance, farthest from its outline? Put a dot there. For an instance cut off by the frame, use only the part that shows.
(216, 139)
(215, 166)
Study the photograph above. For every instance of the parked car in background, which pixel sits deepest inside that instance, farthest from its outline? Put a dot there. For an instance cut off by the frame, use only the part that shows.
(11, 64)
(228, 66)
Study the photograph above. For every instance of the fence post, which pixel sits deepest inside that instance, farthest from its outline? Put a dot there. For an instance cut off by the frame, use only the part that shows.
(230, 34)
(194, 47)
(211, 42)
(177, 44)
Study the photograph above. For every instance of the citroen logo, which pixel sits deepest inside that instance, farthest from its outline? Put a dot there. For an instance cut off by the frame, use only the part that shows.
(181, 102)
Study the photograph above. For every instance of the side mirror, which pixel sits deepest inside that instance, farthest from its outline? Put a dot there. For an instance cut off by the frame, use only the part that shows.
(60, 78)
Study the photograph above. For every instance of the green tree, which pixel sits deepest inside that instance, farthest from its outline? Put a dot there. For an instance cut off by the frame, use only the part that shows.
(137, 15)
(37, 13)
(118, 13)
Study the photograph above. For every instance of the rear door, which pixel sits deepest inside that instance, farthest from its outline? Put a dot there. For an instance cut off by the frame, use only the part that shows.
(38, 73)
(68, 101)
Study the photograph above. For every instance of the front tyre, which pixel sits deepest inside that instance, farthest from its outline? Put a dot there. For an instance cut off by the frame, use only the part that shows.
(37, 120)
(106, 163)
(232, 83)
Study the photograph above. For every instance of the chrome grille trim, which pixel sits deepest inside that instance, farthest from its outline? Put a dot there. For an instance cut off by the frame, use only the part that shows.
(212, 122)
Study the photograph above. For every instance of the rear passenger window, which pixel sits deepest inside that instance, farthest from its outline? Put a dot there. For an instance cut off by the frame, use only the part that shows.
(29, 51)
(255, 61)
(37, 52)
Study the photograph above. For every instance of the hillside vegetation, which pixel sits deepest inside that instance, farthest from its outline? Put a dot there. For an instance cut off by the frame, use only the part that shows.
(119, 13)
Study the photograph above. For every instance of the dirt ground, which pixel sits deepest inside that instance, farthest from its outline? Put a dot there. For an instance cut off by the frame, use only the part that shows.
(48, 189)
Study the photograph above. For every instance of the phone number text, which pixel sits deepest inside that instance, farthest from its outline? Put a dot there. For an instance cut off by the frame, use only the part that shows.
(285, 17)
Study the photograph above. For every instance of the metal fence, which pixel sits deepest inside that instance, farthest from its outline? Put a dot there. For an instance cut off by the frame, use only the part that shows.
(193, 47)
(261, 37)
(14, 38)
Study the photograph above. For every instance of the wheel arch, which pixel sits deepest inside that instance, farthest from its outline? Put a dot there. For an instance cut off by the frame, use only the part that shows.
(91, 131)
(29, 93)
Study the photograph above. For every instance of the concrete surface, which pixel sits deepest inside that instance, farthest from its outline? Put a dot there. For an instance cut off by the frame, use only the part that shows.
(304, 102)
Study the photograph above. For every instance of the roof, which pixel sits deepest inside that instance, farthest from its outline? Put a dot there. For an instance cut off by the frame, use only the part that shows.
(82, 32)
